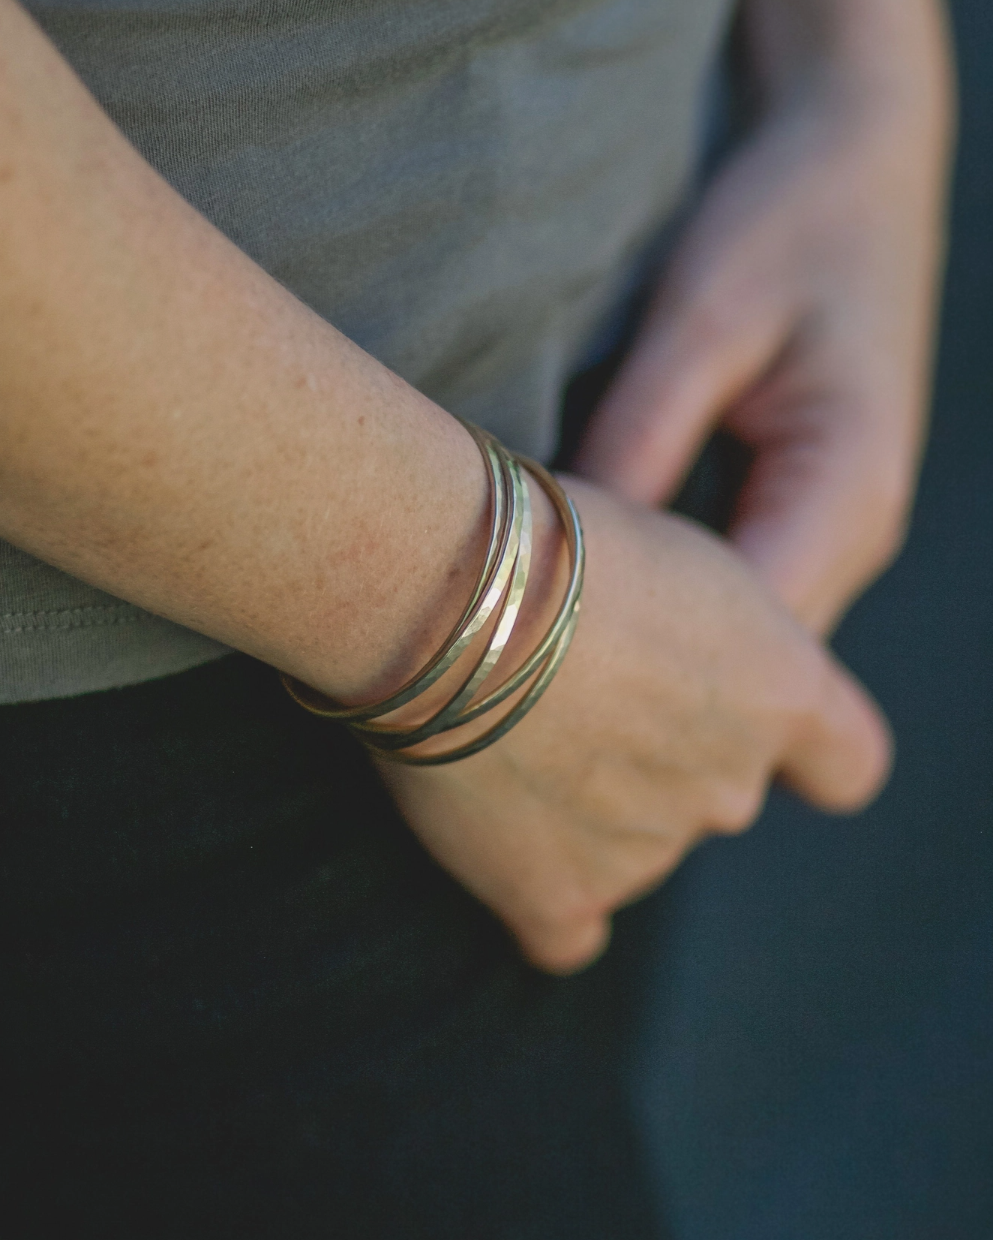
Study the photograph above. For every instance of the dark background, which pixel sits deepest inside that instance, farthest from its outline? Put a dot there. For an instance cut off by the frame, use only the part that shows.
(816, 1050)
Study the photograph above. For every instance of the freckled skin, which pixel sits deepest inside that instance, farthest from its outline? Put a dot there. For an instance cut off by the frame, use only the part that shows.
(178, 429)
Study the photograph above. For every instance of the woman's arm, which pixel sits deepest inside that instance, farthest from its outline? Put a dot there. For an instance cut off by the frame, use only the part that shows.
(176, 428)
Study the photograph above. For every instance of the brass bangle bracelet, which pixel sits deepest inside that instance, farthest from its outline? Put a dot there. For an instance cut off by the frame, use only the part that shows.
(551, 650)
(511, 719)
(453, 713)
(496, 569)
(497, 595)
(573, 530)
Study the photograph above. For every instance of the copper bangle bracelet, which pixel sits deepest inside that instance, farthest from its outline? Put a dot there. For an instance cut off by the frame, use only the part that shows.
(485, 597)
(552, 648)
(497, 596)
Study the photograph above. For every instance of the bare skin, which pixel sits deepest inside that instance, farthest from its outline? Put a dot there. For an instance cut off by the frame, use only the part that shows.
(177, 428)
(203, 445)
(797, 311)
(685, 690)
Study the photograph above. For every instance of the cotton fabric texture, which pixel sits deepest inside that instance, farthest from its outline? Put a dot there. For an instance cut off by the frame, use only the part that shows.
(467, 188)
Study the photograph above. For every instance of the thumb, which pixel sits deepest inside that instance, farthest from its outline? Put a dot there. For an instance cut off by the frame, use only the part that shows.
(687, 365)
(841, 754)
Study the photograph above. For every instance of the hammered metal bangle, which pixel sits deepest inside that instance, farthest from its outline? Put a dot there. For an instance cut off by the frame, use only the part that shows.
(569, 518)
(552, 648)
(497, 566)
(454, 712)
(497, 596)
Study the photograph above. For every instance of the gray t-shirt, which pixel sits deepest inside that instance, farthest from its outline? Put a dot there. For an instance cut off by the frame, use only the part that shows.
(464, 187)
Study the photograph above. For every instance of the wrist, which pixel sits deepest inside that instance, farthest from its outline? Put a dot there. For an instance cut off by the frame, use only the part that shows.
(424, 709)
(546, 581)
(876, 61)
(393, 627)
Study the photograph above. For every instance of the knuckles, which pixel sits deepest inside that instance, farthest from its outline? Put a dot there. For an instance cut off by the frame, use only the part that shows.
(564, 949)
(564, 925)
(888, 535)
(736, 809)
(885, 509)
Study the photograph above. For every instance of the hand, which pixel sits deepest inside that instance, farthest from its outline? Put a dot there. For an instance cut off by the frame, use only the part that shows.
(685, 690)
(797, 313)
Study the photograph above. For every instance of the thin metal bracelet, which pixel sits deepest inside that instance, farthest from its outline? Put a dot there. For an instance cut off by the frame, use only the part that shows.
(551, 650)
(572, 528)
(489, 588)
(510, 720)
(499, 589)
(452, 714)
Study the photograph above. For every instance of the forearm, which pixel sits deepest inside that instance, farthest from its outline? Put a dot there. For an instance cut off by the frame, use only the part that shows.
(179, 430)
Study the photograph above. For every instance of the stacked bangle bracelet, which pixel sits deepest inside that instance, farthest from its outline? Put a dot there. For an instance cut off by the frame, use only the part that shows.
(497, 597)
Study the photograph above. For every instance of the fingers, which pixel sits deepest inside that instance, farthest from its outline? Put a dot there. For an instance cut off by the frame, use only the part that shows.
(689, 363)
(823, 510)
(841, 753)
(563, 947)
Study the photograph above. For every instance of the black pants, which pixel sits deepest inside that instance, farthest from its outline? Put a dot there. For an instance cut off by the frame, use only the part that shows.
(241, 1001)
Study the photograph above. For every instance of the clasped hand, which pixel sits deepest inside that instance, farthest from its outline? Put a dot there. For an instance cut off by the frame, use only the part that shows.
(686, 689)
(796, 312)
